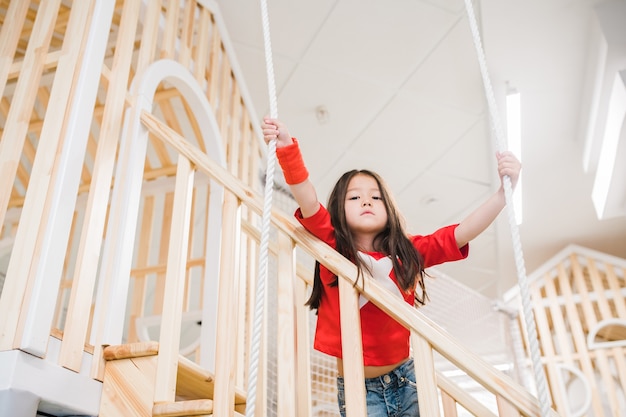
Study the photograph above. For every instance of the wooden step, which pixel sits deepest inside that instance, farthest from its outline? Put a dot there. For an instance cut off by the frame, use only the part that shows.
(183, 408)
(186, 408)
(194, 385)
(131, 350)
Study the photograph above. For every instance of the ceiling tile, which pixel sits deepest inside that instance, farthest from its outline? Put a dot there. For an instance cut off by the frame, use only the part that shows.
(412, 134)
(382, 42)
(451, 74)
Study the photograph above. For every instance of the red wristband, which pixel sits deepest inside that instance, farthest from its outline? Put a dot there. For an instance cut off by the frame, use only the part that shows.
(292, 164)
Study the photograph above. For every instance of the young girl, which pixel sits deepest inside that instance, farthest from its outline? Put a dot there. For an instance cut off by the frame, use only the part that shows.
(363, 224)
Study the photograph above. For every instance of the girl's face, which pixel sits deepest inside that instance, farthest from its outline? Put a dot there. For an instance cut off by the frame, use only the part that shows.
(366, 214)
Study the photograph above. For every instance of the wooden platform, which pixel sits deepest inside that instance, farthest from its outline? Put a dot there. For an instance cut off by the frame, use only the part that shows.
(129, 385)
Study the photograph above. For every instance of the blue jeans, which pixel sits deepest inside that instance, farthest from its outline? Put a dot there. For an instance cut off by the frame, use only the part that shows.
(390, 395)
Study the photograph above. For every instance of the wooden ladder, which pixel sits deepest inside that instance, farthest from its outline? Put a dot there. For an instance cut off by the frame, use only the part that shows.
(129, 381)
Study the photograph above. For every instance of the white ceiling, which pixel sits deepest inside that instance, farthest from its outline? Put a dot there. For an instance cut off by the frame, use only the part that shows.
(401, 85)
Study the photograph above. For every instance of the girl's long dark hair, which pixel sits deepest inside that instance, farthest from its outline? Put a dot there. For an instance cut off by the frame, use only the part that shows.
(392, 241)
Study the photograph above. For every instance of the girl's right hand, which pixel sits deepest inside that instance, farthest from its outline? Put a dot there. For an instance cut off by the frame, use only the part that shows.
(275, 129)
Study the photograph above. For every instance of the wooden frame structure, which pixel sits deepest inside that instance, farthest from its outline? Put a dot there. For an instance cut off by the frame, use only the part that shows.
(130, 195)
(578, 304)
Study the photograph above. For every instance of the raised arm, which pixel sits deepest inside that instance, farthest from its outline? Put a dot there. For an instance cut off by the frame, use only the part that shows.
(292, 164)
(476, 223)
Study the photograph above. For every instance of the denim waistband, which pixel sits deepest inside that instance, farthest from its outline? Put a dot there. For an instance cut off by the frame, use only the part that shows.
(393, 377)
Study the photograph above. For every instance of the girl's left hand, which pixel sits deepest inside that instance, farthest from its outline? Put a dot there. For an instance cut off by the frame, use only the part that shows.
(508, 165)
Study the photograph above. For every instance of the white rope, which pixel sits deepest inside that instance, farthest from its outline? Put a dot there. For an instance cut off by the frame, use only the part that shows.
(540, 378)
(257, 326)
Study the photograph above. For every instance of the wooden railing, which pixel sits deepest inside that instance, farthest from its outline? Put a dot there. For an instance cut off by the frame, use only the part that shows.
(426, 337)
(62, 166)
(71, 187)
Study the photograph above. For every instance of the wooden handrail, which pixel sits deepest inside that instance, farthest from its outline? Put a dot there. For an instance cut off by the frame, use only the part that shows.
(491, 379)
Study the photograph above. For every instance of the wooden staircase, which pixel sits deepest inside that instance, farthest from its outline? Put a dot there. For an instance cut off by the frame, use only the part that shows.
(129, 381)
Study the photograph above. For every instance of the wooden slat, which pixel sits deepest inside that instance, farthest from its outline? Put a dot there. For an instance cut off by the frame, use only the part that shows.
(303, 364)
(201, 52)
(234, 137)
(172, 121)
(170, 29)
(286, 328)
(139, 295)
(190, 239)
(505, 408)
(620, 307)
(149, 36)
(196, 382)
(24, 95)
(226, 344)
(11, 145)
(187, 31)
(22, 176)
(164, 233)
(203, 241)
(9, 38)
(546, 338)
(224, 103)
(425, 375)
(99, 189)
(169, 337)
(448, 405)
(601, 306)
(352, 349)
(456, 394)
(193, 123)
(251, 253)
(213, 73)
(160, 268)
(58, 334)
(90, 156)
(49, 189)
(578, 334)
(244, 148)
(66, 283)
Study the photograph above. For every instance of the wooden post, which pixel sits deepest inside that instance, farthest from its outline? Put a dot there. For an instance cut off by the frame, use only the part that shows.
(425, 375)
(303, 345)
(211, 276)
(286, 328)
(352, 348)
(169, 339)
(224, 396)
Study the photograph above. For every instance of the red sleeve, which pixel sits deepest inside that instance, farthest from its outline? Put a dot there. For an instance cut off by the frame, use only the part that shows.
(319, 224)
(440, 247)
